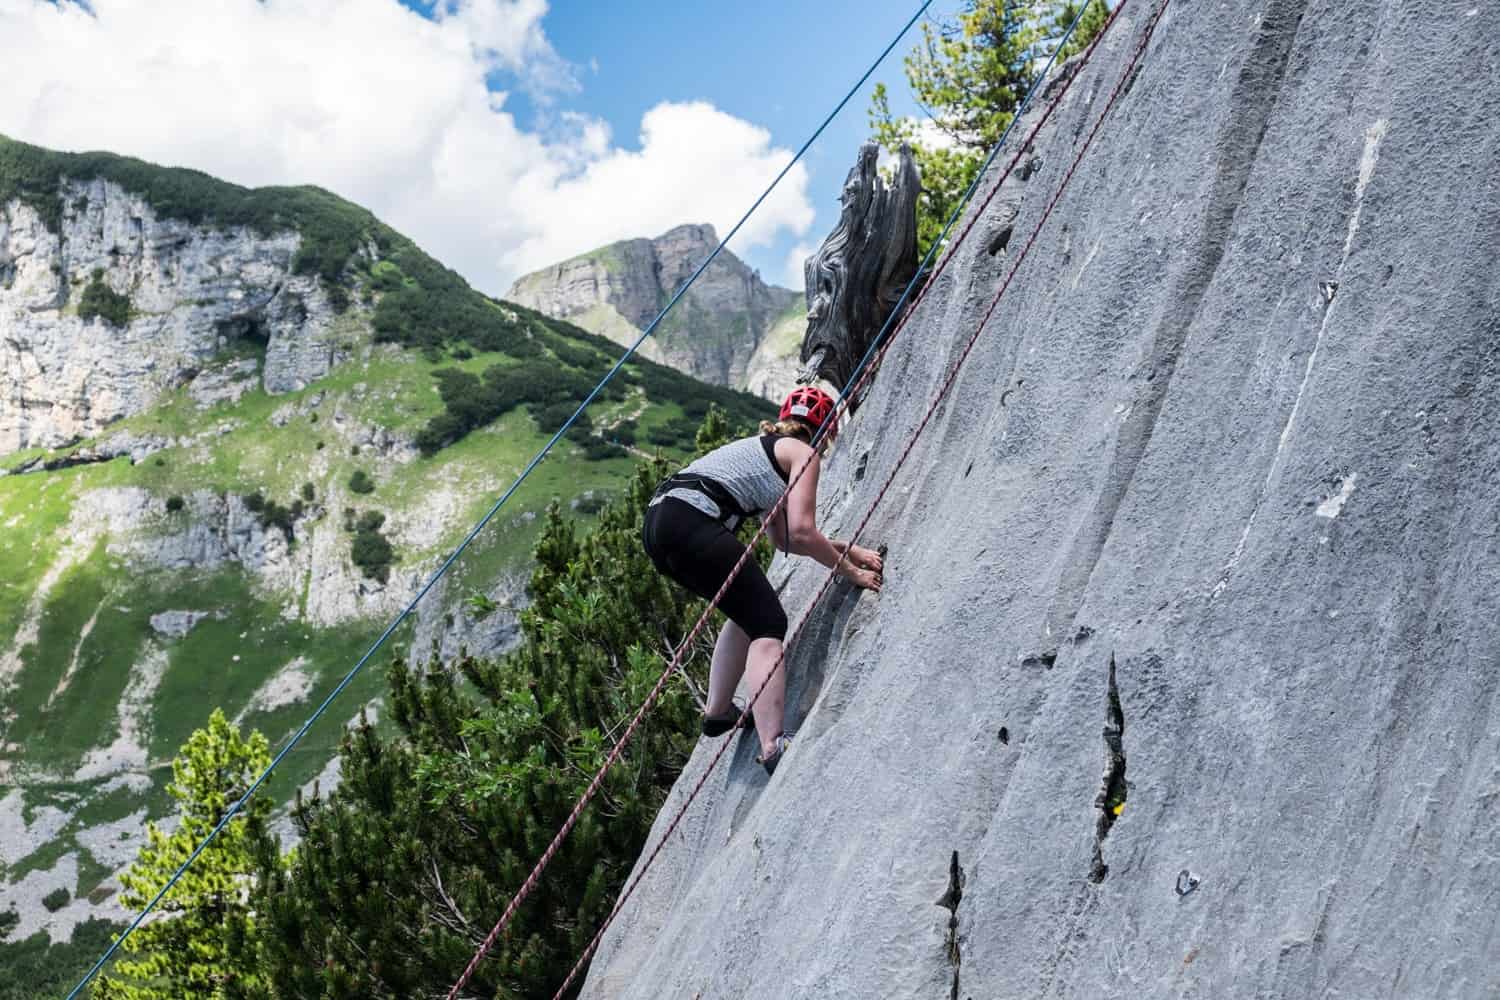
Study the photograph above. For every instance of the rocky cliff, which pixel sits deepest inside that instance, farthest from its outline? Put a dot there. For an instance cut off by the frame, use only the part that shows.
(729, 329)
(187, 291)
(1205, 536)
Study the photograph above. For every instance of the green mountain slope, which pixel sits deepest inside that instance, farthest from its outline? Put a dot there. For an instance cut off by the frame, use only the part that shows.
(227, 542)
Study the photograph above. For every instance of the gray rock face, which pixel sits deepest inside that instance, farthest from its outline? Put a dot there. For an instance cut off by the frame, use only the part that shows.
(465, 631)
(190, 290)
(1232, 431)
(714, 333)
(225, 385)
(214, 530)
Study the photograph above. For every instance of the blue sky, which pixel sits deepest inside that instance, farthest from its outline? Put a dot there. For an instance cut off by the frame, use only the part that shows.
(777, 63)
(770, 63)
(502, 135)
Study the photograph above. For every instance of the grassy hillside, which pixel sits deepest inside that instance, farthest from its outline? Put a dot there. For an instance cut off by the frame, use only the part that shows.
(93, 625)
(88, 672)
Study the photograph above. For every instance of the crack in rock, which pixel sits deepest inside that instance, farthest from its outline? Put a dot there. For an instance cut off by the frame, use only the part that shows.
(1111, 798)
(949, 901)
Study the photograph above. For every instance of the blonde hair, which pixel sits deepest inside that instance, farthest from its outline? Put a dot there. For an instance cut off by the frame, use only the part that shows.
(789, 428)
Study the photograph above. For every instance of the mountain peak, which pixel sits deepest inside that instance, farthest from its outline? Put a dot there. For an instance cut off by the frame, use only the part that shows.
(699, 232)
(731, 328)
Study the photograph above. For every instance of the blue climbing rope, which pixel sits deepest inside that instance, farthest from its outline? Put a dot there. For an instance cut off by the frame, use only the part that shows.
(469, 538)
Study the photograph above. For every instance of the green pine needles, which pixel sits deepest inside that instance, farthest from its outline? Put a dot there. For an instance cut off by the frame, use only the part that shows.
(191, 949)
(971, 74)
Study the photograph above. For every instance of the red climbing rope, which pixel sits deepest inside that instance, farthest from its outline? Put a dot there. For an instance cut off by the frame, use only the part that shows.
(947, 385)
(531, 880)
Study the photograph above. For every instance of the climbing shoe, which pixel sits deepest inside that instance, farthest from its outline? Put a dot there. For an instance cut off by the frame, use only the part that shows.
(770, 760)
(723, 724)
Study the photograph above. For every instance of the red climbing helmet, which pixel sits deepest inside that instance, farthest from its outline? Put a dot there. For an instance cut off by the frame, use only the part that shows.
(809, 404)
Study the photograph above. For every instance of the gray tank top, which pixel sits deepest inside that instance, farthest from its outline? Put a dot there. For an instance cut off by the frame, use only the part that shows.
(746, 468)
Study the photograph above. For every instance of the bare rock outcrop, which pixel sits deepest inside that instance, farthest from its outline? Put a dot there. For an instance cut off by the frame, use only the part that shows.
(191, 291)
(716, 332)
(176, 624)
(858, 275)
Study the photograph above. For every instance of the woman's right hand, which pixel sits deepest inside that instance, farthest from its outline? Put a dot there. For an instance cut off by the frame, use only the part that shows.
(865, 579)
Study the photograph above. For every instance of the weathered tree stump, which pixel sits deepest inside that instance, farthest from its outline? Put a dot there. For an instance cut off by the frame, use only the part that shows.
(858, 274)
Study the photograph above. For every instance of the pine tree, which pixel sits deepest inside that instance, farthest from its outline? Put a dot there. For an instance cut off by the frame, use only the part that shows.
(186, 951)
(1091, 24)
(714, 430)
(970, 75)
(403, 869)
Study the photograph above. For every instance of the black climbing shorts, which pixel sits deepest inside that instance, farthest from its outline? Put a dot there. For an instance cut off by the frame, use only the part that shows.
(699, 552)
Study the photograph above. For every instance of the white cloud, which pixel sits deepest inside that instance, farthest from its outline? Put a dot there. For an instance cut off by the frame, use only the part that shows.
(391, 110)
(923, 131)
(931, 136)
(510, 33)
(795, 275)
(695, 163)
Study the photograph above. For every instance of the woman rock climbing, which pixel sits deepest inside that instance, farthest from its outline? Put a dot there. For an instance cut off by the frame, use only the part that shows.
(689, 535)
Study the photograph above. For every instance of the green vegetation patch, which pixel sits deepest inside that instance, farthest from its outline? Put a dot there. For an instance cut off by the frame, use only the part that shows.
(612, 256)
(361, 483)
(554, 386)
(102, 302)
(270, 513)
(472, 401)
(225, 659)
(371, 551)
(424, 304)
(34, 513)
(788, 329)
(73, 675)
(37, 968)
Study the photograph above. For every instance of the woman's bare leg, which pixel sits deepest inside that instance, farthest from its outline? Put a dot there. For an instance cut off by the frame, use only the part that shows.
(770, 707)
(728, 667)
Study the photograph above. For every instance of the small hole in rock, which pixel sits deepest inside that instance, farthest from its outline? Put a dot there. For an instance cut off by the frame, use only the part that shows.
(1004, 735)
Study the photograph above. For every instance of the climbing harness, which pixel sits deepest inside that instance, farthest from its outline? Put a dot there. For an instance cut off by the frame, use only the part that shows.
(731, 514)
(530, 883)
